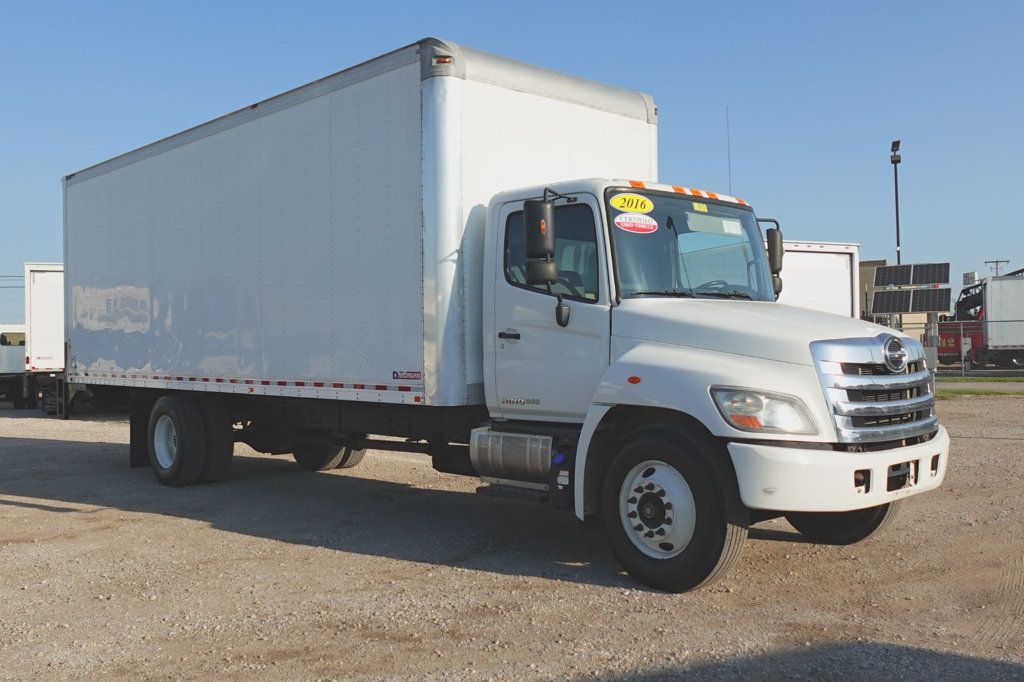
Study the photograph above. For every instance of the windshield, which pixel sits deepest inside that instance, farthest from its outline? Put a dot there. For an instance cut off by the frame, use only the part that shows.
(671, 245)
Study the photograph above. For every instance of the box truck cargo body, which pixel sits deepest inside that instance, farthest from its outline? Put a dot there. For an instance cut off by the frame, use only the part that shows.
(824, 276)
(407, 248)
(12, 362)
(331, 235)
(989, 324)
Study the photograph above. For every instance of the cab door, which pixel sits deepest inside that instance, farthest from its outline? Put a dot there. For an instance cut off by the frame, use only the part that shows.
(544, 371)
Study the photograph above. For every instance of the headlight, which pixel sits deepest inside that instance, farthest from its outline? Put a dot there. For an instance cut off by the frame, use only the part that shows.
(762, 412)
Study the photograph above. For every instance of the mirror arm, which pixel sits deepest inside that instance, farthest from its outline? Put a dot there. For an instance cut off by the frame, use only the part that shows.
(558, 195)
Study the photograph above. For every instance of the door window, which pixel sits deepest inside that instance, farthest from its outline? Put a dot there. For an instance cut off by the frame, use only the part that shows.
(575, 253)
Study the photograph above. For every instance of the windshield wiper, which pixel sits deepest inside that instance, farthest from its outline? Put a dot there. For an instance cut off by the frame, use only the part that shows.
(667, 292)
(727, 294)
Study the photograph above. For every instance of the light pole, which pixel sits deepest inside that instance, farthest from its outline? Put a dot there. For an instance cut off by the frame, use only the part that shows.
(895, 158)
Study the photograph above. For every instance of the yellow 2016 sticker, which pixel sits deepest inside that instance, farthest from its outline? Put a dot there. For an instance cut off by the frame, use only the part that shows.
(633, 203)
(697, 206)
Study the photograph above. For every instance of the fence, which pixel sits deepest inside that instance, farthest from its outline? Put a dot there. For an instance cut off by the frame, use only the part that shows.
(971, 344)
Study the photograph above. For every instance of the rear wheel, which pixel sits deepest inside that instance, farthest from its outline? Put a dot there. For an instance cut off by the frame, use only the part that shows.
(177, 440)
(671, 511)
(321, 457)
(844, 528)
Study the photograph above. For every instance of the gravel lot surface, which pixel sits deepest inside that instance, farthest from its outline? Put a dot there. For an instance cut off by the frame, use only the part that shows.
(393, 570)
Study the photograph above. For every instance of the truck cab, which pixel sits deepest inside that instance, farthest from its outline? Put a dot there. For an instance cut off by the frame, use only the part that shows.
(649, 320)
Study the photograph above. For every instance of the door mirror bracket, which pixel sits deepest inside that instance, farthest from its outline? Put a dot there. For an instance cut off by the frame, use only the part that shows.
(562, 313)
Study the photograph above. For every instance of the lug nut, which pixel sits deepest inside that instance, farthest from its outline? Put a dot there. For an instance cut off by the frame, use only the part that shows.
(631, 514)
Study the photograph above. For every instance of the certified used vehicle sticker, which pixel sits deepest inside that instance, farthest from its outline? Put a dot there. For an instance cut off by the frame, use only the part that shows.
(636, 223)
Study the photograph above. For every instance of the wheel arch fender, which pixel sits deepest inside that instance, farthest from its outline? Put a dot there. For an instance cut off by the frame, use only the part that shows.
(642, 387)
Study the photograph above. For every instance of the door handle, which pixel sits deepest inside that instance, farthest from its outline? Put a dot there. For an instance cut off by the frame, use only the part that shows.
(511, 334)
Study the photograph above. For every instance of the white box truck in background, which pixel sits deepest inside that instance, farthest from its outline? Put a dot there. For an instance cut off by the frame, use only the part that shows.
(44, 334)
(988, 327)
(12, 363)
(404, 249)
(824, 276)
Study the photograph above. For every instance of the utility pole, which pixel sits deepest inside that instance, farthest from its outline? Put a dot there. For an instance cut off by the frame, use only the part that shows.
(994, 265)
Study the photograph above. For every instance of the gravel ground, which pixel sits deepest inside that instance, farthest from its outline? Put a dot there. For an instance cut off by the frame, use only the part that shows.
(393, 570)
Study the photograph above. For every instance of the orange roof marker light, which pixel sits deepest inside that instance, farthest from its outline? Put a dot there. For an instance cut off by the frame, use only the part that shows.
(688, 191)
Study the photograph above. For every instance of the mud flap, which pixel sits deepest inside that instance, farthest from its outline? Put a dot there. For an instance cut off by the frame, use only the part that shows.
(141, 405)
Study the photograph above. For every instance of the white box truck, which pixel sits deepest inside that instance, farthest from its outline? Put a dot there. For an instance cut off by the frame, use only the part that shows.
(44, 334)
(823, 276)
(406, 248)
(12, 363)
(988, 327)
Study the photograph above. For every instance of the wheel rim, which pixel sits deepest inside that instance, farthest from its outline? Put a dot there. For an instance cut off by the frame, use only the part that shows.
(657, 510)
(165, 442)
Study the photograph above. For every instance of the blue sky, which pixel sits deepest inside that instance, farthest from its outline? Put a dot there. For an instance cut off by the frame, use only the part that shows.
(815, 91)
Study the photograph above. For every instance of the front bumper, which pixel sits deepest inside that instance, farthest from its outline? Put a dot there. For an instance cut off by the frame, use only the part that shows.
(796, 479)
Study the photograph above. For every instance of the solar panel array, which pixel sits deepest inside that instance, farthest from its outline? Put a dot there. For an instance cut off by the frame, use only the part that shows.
(904, 275)
(891, 301)
(911, 301)
(930, 273)
(930, 301)
(893, 275)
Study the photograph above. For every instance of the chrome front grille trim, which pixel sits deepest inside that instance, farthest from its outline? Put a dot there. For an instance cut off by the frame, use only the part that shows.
(846, 369)
(883, 408)
(878, 382)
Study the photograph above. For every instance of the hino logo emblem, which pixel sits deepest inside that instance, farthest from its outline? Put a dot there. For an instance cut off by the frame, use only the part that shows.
(894, 354)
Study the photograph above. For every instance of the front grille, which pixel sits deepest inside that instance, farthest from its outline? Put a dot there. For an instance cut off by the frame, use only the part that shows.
(869, 402)
(875, 369)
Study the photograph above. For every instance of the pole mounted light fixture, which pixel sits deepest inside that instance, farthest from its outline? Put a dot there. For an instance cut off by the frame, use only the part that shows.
(895, 159)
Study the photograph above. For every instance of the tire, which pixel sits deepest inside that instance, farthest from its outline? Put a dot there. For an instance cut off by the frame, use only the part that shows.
(177, 440)
(220, 440)
(844, 528)
(690, 494)
(351, 458)
(321, 457)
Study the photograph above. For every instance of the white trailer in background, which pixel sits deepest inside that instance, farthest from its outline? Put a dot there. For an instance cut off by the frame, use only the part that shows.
(44, 333)
(12, 363)
(473, 257)
(824, 276)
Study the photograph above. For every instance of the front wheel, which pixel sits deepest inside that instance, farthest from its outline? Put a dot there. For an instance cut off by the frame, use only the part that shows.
(843, 528)
(671, 510)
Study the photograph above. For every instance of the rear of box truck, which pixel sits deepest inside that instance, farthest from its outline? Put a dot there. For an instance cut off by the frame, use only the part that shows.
(44, 317)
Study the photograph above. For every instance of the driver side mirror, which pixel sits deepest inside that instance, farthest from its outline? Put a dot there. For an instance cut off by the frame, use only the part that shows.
(539, 238)
(775, 249)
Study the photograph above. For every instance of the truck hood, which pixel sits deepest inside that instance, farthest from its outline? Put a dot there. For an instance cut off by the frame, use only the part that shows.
(772, 331)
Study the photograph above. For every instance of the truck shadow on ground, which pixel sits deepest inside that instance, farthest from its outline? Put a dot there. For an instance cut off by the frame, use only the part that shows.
(844, 661)
(271, 498)
(341, 510)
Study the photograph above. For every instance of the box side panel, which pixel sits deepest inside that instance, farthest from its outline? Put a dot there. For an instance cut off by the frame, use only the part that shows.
(44, 318)
(513, 139)
(822, 280)
(1004, 312)
(285, 251)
